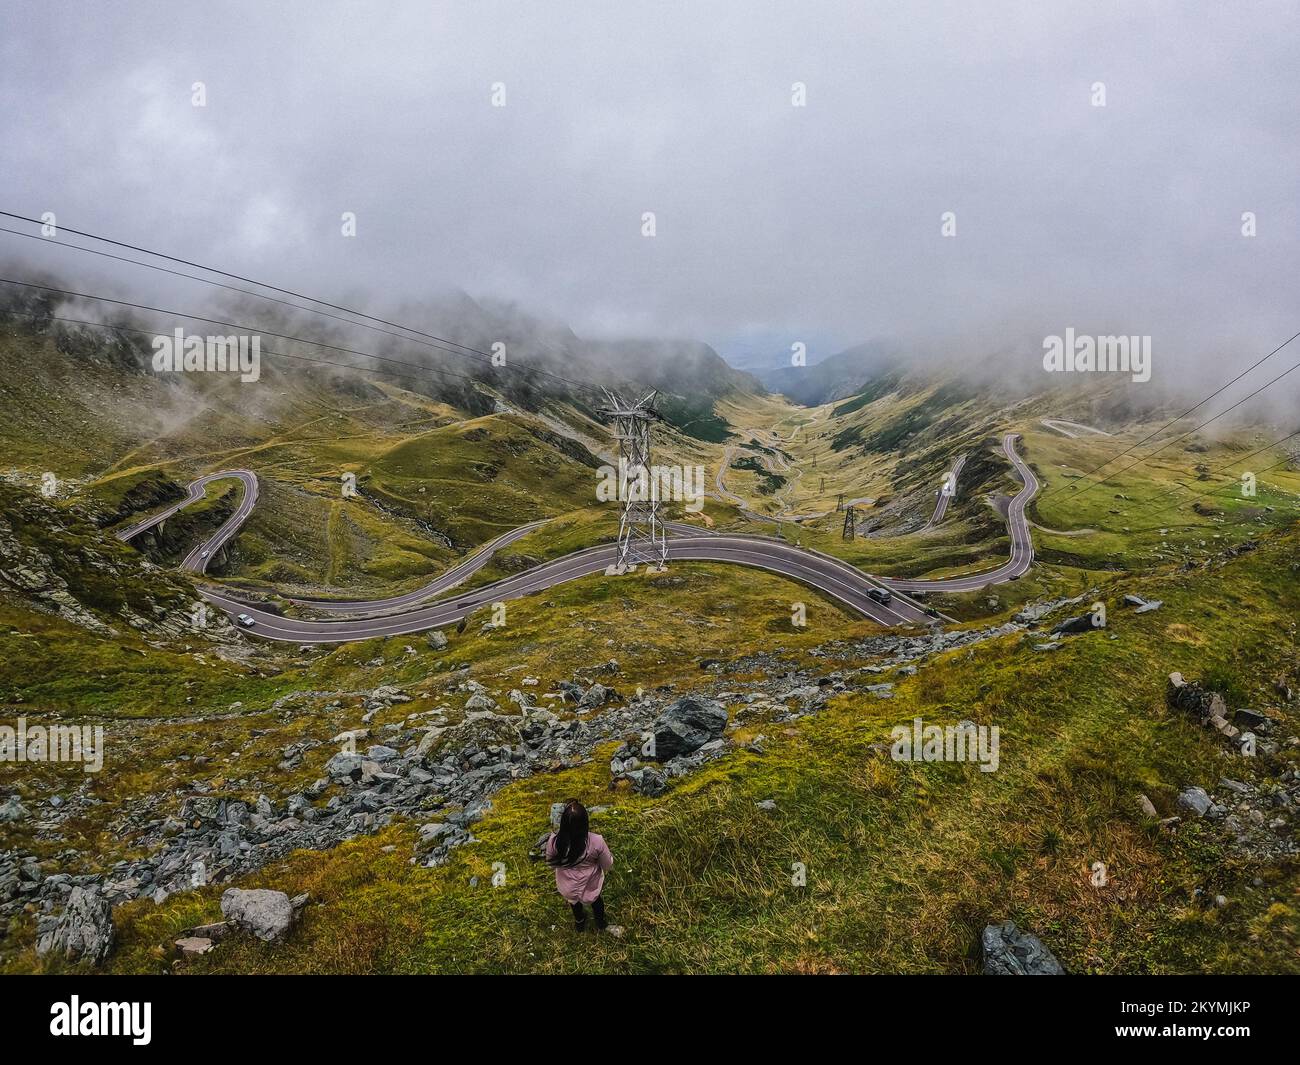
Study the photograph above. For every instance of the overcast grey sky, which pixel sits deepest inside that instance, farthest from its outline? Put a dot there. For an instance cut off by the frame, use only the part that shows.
(775, 223)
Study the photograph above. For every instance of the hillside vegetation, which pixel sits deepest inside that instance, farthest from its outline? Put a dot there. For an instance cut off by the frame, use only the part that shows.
(793, 842)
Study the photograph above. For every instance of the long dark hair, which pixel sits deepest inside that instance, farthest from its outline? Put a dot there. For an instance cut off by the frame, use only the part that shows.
(571, 839)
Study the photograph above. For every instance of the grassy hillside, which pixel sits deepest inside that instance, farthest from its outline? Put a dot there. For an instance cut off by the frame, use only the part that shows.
(905, 863)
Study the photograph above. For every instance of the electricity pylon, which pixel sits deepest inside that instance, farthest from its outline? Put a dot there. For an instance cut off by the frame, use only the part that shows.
(641, 537)
(850, 522)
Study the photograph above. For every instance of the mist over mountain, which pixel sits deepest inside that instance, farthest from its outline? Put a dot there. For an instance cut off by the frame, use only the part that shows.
(837, 376)
(445, 344)
(940, 616)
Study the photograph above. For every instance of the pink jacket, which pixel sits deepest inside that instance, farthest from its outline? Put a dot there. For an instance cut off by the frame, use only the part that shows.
(582, 881)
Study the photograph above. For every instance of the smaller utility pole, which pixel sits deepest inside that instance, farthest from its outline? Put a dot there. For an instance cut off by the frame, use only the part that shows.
(850, 524)
(839, 503)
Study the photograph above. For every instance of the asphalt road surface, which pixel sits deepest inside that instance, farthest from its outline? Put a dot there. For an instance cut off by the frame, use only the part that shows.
(198, 558)
(1022, 545)
(723, 493)
(836, 579)
(941, 504)
(454, 576)
(402, 615)
(1067, 428)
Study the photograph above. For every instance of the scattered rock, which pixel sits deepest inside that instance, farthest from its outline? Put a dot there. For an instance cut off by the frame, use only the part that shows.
(267, 914)
(1195, 700)
(1249, 719)
(194, 946)
(1011, 952)
(648, 781)
(594, 696)
(12, 810)
(687, 725)
(344, 766)
(84, 931)
(215, 931)
(1210, 711)
(1194, 801)
(1075, 625)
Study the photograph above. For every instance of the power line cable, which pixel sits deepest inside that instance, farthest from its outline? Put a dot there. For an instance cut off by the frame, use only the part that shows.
(237, 288)
(1172, 421)
(429, 337)
(228, 325)
(1190, 432)
(116, 328)
(1218, 472)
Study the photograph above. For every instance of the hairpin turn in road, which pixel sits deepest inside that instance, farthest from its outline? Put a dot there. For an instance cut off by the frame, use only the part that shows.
(414, 612)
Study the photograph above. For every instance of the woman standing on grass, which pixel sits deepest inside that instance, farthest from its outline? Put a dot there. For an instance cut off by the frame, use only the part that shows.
(580, 859)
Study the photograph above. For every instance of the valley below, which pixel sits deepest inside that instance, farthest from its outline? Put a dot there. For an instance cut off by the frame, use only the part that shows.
(363, 673)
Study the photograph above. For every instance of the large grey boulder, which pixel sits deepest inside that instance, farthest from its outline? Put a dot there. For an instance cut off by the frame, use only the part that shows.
(594, 696)
(1073, 626)
(687, 725)
(267, 914)
(1011, 952)
(437, 639)
(12, 810)
(648, 781)
(344, 766)
(83, 932)
(1196, 701)
(1194, 801)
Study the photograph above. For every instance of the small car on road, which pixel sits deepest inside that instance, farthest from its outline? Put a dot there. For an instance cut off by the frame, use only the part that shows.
(880, 595)
(246, 621)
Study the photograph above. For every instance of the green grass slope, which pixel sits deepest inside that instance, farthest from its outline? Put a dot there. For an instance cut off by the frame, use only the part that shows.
(905, 863)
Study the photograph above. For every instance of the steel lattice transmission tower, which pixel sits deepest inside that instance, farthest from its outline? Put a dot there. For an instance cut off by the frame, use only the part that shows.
(850, 521)
(641, 537)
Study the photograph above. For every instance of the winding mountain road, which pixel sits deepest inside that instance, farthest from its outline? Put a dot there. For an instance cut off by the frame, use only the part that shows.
(725, 495)
(197, 560)
(1066, 428)
(1022, 544)
(410, 613)
(456, 575)
(941, 504)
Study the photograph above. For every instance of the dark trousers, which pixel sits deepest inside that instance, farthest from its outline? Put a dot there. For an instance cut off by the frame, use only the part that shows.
(580, 915)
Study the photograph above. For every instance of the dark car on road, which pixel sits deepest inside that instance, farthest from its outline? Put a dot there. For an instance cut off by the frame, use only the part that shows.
(880, 595)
